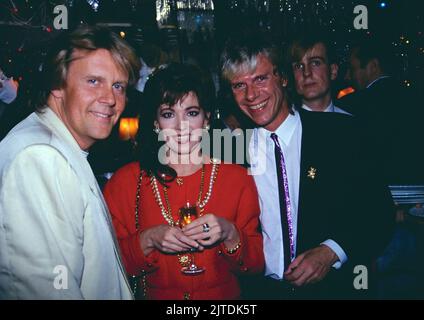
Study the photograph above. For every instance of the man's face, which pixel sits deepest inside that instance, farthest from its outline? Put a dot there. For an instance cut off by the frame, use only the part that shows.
(356, 74)
(93, 96)
(313, 74)
(260, 94)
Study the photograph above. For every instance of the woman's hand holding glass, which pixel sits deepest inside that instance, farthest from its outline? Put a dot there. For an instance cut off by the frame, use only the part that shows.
(210, 229)
(167, 239)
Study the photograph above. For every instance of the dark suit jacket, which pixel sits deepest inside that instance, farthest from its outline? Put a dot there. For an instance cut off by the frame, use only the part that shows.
(345, 202)
(392, 116)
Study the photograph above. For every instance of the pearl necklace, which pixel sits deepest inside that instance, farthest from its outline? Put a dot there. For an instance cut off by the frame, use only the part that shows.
(166, 213)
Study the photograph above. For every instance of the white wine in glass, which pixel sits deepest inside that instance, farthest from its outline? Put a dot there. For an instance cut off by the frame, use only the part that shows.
(187, 215)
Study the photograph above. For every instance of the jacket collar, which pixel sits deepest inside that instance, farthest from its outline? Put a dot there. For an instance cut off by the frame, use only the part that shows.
(77, 157)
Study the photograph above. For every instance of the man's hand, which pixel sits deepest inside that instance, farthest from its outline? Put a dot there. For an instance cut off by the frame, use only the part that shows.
(311, 266)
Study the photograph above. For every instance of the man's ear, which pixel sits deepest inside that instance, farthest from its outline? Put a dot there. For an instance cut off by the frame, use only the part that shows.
(57, 93)
(334, 70)
(373, 67)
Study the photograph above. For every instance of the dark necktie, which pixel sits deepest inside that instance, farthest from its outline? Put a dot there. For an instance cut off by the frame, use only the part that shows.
(285, 208)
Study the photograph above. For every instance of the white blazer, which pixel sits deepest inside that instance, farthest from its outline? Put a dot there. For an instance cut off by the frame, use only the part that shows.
(56, 235)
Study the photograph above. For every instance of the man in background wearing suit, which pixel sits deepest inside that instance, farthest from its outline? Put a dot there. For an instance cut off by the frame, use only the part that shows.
(313, 67)
(312, 178)
(8, 94)
(389, 112)
(56, 235)
(8, 91)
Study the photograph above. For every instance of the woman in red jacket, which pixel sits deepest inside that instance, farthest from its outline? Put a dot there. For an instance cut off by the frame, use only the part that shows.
(199, 260)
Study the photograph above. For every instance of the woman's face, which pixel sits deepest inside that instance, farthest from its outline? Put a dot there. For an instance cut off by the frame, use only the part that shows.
(181, 124)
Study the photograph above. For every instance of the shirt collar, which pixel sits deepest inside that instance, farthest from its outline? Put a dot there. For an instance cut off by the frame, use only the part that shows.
(49, 116)
(286, 130)
(379, 78)
(330, 107)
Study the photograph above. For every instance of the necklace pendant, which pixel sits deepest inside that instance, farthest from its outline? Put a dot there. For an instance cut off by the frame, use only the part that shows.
(180, 181)
(184, 260)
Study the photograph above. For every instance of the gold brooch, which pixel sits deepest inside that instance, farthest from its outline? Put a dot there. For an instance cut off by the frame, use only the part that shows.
(180, 181)
(312, 172)
(184, 260)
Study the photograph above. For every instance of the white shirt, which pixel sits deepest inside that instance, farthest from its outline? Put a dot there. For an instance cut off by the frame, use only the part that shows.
(331, 108)
(379, 78)
(263, 169)
(145, 72)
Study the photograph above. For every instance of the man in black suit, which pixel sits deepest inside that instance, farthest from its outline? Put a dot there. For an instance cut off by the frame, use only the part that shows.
(313, 180)
(388, 112)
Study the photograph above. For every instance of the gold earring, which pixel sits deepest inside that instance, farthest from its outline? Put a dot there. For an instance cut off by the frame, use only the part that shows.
(207, 127)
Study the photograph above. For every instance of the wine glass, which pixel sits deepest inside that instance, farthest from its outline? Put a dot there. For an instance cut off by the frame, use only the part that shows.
(187, 215)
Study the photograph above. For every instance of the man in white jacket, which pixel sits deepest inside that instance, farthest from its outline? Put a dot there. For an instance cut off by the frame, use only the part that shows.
(56, 236)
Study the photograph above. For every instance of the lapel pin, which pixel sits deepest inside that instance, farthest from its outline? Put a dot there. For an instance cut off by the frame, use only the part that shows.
(312, 172)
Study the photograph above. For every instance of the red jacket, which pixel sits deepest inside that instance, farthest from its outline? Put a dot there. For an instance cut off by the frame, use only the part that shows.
(234, 197)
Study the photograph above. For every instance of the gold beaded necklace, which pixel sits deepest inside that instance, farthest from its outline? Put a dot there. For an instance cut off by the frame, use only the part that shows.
(166, 212)
(184, 259)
